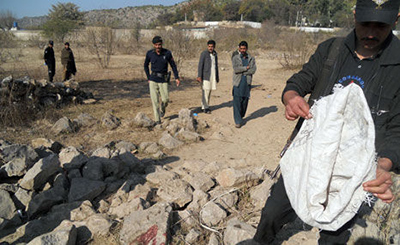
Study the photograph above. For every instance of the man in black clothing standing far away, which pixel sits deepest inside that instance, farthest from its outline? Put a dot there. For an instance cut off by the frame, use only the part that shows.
(369, 57)
(68, 62)
(50, 60)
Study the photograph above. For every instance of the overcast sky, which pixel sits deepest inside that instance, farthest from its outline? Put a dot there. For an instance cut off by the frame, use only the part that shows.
(22, 8)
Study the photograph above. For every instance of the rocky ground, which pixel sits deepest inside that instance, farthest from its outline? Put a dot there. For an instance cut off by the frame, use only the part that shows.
(105, 174)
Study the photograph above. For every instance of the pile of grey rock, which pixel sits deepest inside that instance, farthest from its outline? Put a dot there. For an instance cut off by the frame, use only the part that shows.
(50, 192)
(54, 194)
(42, 92)
(60, 193)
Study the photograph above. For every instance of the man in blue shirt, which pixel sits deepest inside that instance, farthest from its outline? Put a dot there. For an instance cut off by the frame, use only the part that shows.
(158, 79)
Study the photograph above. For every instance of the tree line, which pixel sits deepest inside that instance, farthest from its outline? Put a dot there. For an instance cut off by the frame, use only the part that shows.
(332, 13)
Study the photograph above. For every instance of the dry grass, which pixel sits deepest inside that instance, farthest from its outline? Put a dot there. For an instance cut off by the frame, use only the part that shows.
(297, 47)
(122, 86)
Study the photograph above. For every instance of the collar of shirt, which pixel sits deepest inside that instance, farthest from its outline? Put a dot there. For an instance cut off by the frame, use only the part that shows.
(351, 42)
(163, 50)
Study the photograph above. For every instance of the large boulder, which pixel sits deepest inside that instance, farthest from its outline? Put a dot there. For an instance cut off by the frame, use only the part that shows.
(260, 193)
(43, 201)
(126, 208)
(93, 169)
(199, 181)
(104, 152)
(169, 142)
(110, 121)
(54, 146)
(142, 120)
(125, 145)
(36, 227)
(17, 158)
(149, 147)
(193, 236)
(237, 231)
(234, 177)
(188, 136)
(99, 224)
(22, 198)
(38, 175)
(72, 158)
(64, 126)
(176, 191)
(116, 167)
(212, 214)
(200, 198)
(9, 187)
(150, 226)
(159, 176)
(83, 189)
(224, 198)
(59, 237)
(127, 159)
(8, 214)
(186, 119)
(194, 165)
(85, 120)
(84, 211)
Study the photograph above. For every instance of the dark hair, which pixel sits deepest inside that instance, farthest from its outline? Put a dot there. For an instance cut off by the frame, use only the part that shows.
(51, 42)
(157, 39)
(243, 43)
(67, 43)
(211, 42)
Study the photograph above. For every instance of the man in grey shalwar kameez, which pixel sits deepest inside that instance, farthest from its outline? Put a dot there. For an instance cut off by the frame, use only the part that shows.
(244, 67)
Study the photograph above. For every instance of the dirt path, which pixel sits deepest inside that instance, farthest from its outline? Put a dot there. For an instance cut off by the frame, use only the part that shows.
(259, 142)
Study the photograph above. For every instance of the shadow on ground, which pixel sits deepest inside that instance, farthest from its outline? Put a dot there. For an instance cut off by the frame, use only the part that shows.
(261, 113)
(132, 89)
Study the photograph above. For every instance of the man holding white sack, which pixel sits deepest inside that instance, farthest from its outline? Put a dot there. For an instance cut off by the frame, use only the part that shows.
(369, 57)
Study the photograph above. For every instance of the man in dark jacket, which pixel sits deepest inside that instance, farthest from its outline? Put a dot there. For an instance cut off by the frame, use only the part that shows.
(370, 57)
(207, 74)
(50, 60)
(68, 62)
(159, 58)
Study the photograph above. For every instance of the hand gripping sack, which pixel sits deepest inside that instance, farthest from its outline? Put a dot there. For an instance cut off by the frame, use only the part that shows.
(330, 158)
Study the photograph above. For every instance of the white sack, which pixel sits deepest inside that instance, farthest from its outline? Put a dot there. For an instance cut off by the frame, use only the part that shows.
(330, 158)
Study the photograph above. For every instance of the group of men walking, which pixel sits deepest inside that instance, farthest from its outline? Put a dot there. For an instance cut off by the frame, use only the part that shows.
(67, 60)
(244, 67)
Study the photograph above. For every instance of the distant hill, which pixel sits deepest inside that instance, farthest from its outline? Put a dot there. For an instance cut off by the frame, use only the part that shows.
(121, 18)
(31, 22)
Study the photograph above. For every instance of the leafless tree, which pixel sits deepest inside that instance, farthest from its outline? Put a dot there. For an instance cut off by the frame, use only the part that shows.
(6, 19)
(101, 41)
